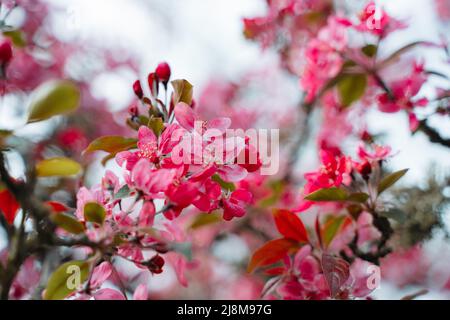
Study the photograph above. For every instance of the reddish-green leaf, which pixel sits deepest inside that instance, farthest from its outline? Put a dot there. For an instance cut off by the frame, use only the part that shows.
(328, 194)
(336, 271)
(111, 144)
(332, 227)
(68, 223)
(182, 91)
(270, 253)
(8, 205)
(390, 180)
(94, 212)
(290, 226)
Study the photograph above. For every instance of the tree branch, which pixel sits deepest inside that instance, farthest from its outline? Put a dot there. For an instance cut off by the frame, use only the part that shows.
(432, 134)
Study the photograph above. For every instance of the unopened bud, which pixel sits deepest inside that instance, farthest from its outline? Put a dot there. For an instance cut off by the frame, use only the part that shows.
(137, 88)
(163, 72)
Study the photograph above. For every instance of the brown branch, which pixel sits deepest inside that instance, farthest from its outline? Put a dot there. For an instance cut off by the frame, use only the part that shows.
(22, 245)
(383, 225)
(432, 134)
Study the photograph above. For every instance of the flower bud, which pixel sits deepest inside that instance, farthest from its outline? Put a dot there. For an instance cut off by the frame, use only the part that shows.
(163, 72)
(153, 83)
(365, 169)
(5, 52)
(161, 247)
(133, 110)
(137, 88)
(155, 264)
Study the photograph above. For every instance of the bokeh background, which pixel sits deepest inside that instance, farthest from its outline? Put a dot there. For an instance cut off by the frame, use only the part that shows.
(202, 40)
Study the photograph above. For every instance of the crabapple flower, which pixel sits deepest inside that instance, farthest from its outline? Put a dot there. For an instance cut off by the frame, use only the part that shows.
(375, 20)
(190, 121)
(404, 95)
(150, 147)
(234, 205)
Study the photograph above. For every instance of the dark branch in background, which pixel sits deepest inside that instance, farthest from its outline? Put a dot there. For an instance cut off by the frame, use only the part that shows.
(432, 134)
(301, 135)
(383, 225)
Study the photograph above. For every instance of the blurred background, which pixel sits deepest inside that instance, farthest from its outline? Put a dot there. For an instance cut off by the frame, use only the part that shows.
(203, 40)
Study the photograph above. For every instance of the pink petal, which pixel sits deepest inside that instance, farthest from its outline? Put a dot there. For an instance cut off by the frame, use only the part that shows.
(100, 274)
(185, 116)
(146, 136)
(147, 214)
(108, 294)
(221, 124)
(141, 292)
(232, 173)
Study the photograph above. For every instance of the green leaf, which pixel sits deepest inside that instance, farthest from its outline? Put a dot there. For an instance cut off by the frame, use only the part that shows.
(330, 194)
(111, 144)
(17, 37)
(395, 214)
(370, 50)
(63, 281)
(390, 180)
(224, 184)
(360, 197)
(53, 98)
(68, 223)
(157, 125)
(93, 212)
(183, 91)
(351, 88)
(58, 167)
(205, 219)
(331, 228)
(277, 188)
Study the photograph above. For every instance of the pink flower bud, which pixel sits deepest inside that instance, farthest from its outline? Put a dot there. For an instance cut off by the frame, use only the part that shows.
(5, 52)
(138, 89)
(163, 72)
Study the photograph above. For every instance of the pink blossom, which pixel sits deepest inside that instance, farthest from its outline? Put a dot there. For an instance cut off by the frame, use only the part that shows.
(234, 206)
(100, 274)
(150, 147)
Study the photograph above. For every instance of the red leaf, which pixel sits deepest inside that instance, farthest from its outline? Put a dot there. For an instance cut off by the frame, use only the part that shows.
(57, 206)
(270, 253)
(318, 229)
(336, 271)
(277, 271)
(290, 226)
(8, 205)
